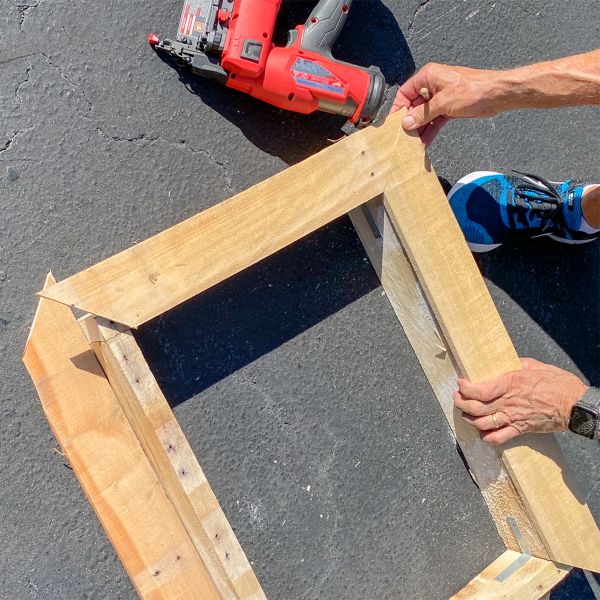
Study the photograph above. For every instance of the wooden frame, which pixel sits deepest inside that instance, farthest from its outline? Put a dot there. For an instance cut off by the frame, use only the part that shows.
(104, 402)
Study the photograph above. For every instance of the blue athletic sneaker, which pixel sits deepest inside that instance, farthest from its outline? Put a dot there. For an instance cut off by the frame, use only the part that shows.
(493, 208)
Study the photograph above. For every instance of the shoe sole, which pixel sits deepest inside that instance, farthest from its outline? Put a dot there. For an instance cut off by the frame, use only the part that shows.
(481, 248)
(566, 241)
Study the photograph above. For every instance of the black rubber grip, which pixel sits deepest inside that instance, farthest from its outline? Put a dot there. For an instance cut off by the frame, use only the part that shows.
(325, 24)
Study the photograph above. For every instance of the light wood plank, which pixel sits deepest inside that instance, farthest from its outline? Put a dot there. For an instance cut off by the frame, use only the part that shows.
(175, 265)
(412, 309)
(173, 460)
(111, 466)
(481, 347)
(532, 581)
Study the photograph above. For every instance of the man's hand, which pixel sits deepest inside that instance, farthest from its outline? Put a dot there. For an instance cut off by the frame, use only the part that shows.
(537, 399)
(454, 92)
(459, 92)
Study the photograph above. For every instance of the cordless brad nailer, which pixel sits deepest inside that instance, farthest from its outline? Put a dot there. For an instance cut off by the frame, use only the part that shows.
(230, 41)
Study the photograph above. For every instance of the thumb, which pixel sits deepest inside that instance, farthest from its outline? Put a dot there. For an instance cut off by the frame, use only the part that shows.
(419, 116)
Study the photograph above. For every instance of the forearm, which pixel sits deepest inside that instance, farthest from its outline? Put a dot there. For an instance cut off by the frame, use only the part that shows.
(570, 81)
(455, 92)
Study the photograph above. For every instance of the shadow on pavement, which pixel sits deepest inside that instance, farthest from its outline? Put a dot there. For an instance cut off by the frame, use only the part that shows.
(229, 326)
(558, 286)
(575, 587)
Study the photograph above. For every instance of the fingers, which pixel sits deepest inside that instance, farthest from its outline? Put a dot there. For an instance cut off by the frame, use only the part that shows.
(400, 101)
(475, 408)
(486, 391)
(481, 399)
(429, 131)
(411, 88)
(403, 101)
(488, 422)
(495, 426)
(419, 116)
(500, 436)
(422, 112)
(492, 432)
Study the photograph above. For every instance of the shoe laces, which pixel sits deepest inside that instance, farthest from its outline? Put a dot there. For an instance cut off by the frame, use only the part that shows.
(538, 198)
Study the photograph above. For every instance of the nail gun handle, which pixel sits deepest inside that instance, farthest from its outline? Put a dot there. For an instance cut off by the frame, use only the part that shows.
(324, 25)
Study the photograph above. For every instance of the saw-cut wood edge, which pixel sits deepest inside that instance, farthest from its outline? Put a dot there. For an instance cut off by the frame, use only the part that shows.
(111, 466)
(156, 275)
(172, 459)
(531, 581)
(481, 348)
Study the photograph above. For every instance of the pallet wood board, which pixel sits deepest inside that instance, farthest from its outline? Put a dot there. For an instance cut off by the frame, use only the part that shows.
(109, 462)
(173, 460)
(480, 346)
(532, 581)
(156, 275)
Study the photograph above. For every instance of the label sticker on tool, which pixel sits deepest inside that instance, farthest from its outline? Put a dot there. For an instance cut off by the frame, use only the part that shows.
(311, 74)
(193, 18)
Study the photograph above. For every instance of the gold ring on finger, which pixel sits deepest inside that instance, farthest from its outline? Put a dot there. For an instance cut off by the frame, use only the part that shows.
(496, 426)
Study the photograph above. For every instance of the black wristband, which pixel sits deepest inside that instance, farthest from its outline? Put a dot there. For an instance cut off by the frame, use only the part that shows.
(585, 416)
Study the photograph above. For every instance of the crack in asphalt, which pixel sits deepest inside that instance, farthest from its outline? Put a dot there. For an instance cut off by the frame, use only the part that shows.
(21, 83)
(24, 11)
(67, 79)
(221, 165)
(411, 25)
(182, 145)
(9, 142)
(142, 137)
(116, 138)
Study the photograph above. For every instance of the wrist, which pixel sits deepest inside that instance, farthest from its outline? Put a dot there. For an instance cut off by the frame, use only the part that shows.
(511, 90)
(585, 414)
(571, 399)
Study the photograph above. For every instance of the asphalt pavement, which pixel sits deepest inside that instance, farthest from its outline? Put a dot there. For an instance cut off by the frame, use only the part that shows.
(293, 381)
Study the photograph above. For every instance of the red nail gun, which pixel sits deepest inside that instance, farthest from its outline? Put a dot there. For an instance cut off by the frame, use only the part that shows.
(230, 41)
